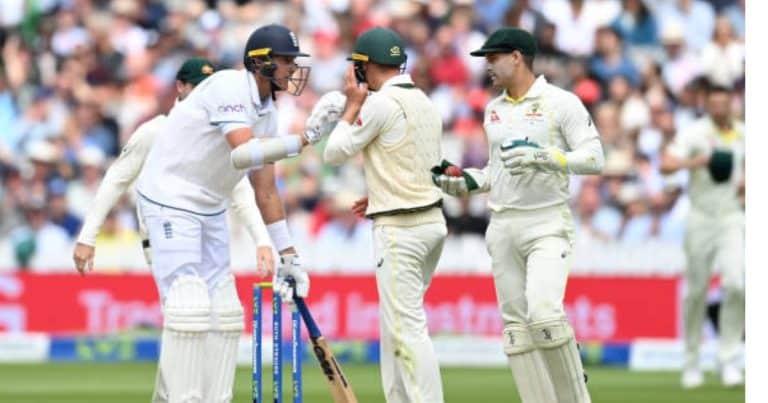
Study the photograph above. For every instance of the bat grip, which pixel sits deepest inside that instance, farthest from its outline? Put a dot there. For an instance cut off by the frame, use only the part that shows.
(312, 329)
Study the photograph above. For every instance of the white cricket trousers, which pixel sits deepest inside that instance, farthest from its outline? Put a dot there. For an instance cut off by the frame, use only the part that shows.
(406, 258)
(190, 253)
(185, 243)
(714, 241)
(530, 259)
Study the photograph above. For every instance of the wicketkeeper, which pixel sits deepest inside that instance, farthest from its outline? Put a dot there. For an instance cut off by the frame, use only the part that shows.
(538, 135)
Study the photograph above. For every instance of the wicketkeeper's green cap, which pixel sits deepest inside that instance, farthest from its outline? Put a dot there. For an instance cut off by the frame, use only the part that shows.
(195, 70)
(379, 45)
(505, 40)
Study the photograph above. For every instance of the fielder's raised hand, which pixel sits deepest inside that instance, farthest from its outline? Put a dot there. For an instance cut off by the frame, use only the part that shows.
(355, 93)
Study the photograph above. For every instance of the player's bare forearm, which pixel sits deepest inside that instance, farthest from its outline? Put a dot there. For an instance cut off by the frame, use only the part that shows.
(268, 199)
(350, 113)
(671, 164)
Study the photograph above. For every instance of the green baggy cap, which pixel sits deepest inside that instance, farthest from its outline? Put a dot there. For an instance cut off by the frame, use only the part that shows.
(195, 70)
(379, 45)
(505, 40)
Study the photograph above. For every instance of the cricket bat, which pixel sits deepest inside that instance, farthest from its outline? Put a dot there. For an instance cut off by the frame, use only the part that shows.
(341, 390)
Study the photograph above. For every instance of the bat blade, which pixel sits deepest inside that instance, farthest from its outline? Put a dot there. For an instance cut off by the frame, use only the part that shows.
(339, 386)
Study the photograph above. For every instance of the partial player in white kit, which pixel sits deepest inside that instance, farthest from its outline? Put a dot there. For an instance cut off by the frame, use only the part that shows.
(712, 149)
(538, 135)
(225, 130)
(124, 171)
(397, 130)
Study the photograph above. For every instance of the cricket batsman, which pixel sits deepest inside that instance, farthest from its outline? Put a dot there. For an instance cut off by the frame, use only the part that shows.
(397, 130)
(712, 149)
(224, 130)
(538, 135)
(126, 169)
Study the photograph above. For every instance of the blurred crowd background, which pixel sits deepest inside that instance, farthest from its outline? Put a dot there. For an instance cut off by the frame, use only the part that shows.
(78, 76)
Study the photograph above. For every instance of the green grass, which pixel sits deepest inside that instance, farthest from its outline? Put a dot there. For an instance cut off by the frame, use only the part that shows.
(118, 383)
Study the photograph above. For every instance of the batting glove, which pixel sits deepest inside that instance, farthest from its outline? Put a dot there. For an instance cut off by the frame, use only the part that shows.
(324, 116)
(290, 268)
(522, 156)
(471, 180)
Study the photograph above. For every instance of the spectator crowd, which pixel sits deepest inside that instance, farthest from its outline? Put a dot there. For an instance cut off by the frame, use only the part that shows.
(78, 76)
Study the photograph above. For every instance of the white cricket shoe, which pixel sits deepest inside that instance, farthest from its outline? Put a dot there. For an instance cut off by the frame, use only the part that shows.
(731, 376)
(692, 378)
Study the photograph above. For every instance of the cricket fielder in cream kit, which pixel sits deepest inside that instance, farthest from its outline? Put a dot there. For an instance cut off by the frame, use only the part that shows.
(538, 135)
(224, 130)
(712, 149)
(397, 129)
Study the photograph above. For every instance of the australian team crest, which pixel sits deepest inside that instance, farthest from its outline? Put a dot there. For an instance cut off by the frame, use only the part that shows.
(534, 111)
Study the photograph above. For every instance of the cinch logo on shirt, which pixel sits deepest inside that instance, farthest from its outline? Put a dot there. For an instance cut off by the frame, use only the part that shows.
(231, 108)
(494, 117)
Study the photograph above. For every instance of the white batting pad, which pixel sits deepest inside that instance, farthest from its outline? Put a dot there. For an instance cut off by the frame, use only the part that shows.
(531, 376)
(221, 345)
(556, 342)
(187, 321)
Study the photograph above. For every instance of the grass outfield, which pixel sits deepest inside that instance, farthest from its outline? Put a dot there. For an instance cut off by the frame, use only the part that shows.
(118, 383)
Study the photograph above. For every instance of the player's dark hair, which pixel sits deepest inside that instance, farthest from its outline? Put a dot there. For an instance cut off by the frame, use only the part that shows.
(718, 89)
(528, 60)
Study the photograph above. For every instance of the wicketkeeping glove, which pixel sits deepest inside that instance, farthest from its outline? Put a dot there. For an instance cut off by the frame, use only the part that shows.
(469, 181)
(289, 267)
(324, 116)
(720, 165)
(521, 156)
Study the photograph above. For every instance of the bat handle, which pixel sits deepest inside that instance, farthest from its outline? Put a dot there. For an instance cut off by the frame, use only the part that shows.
(301, 305)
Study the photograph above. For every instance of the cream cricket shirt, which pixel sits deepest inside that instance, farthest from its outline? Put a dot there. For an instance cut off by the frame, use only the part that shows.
(189, 167)
(398, 132)
(548, 116)
(702, 137)
(380, 117)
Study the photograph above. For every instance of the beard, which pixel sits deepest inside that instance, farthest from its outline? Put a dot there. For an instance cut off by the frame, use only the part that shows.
(501, 74)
